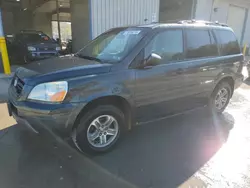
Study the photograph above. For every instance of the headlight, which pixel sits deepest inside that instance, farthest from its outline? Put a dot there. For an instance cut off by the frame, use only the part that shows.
(31, 48)
(58, 48)
(49, 92)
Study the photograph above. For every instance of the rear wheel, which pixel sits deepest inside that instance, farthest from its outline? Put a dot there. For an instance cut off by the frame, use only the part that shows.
(220, 97)
(99, 129)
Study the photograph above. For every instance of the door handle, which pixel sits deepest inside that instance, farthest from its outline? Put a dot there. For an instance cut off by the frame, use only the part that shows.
(179, 71)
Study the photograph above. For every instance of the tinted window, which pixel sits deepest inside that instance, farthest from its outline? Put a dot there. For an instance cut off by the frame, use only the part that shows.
(200, 44)
(168, 45)
(228, 42)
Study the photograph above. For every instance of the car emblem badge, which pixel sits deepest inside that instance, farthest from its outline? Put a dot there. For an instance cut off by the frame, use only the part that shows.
(15, 82)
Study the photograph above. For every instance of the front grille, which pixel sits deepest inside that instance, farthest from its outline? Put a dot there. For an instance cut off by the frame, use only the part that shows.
(18, 85)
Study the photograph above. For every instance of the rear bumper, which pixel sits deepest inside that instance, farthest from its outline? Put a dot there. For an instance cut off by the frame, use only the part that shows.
(57, 118)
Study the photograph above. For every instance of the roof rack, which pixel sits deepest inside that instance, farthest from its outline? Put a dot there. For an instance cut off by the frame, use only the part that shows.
(202, 22)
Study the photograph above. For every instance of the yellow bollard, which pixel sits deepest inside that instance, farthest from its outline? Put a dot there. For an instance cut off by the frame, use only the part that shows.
(5, 57)
(244, 50)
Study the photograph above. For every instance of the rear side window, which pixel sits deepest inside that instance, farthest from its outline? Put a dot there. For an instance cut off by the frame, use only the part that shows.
(228, 42)
(200, 44)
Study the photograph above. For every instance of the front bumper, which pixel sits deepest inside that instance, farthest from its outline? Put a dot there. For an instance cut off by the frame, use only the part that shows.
(42, 55)
(57, 118)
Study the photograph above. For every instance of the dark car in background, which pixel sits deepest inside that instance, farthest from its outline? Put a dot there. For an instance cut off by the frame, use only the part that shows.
(128, 76)
(29, 46)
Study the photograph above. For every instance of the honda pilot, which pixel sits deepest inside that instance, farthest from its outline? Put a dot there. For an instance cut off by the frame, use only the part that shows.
(128, 76)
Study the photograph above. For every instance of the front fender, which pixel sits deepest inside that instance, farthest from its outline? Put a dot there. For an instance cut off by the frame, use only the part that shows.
(85, 90)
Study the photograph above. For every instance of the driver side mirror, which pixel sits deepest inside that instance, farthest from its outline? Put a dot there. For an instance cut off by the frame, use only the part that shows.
(152, 60)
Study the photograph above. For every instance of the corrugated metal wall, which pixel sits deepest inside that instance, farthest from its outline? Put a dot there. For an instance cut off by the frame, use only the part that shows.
(106, 14)
(204, 9)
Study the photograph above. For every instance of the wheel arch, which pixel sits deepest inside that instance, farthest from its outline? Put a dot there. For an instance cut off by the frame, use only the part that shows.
(120, 102)
(229, 80)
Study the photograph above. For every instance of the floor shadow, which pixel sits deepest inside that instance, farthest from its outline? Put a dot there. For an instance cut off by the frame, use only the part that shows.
(247, 81)
(4, 86)
(29, 160)
(160, 154)
(167, 153)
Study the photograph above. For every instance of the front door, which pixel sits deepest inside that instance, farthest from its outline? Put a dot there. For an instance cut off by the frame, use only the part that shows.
(160, 89)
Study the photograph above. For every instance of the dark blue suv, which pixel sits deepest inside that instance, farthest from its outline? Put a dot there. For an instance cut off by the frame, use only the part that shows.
(128, 76)
(29, 46)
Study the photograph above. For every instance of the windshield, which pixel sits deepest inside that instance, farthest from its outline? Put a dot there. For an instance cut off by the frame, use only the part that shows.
(35, 37)
(114, 45)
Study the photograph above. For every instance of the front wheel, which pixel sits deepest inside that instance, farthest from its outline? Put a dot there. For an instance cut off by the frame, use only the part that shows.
(99, 129)
(220, 97)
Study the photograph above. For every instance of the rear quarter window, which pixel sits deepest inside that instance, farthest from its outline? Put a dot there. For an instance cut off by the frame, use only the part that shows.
(228, 42)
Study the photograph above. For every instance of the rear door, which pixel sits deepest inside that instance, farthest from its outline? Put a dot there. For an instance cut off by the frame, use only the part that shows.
(160, 89)
(202, 55)
(231, 60)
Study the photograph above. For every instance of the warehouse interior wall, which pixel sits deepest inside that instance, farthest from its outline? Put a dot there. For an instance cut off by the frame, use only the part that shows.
(42, 22)
(16, 20)
(23, 20)
(80, 23)
(8, 20)
(176, 10)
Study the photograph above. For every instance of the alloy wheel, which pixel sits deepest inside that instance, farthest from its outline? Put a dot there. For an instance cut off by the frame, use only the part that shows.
(221, 99)
(102, 131)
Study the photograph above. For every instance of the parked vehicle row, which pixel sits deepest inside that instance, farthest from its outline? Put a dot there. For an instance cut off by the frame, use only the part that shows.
(30, 45)
(128, 76)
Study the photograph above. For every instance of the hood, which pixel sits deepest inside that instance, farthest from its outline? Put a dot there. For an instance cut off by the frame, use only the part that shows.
(60, 68)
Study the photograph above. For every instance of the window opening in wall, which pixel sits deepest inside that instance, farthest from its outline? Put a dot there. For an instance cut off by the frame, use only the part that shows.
(66, 33)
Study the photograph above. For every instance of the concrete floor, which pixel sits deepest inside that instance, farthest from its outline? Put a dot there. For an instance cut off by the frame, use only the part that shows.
(191, 150)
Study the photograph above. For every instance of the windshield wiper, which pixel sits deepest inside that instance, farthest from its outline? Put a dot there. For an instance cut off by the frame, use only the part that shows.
(89, 57)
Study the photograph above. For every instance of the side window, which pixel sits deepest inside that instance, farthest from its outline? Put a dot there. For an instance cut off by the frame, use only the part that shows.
(200, 44)
(228, 42)
(168, 45)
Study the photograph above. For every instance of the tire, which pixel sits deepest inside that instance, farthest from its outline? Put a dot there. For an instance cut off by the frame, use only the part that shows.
(85, 131)
(221, 88)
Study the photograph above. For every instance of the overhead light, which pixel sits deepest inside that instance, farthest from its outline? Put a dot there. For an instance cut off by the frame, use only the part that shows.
(18, 0)
(25, 9)
(60, 5)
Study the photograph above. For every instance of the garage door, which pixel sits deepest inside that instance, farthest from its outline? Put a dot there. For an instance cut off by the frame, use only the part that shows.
(236, 17)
